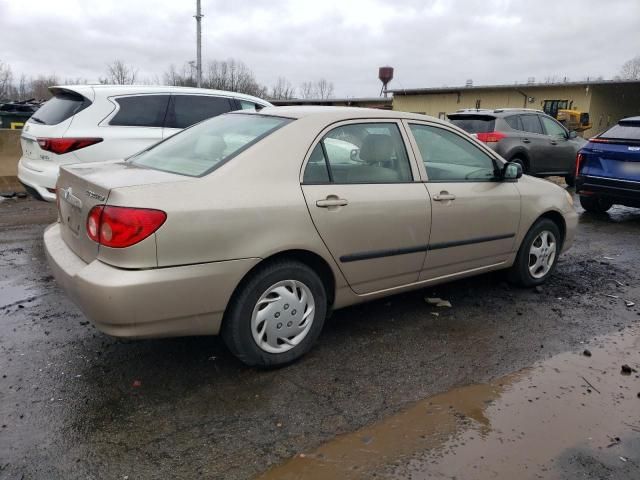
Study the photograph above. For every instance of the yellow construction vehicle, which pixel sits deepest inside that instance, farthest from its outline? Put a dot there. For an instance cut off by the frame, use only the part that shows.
(562, 110)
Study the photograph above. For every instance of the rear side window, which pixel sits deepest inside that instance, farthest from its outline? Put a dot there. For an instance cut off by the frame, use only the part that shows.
(531, 123)
(475, 123)
(360, 153)
(247, 105)
(623, 131)
(141, 111)
(201, 149)
(61, 107)
(186, 110)
(514, 122)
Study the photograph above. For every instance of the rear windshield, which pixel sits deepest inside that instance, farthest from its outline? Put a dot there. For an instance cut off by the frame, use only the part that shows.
(59, 108)
(474, 123)
(623, 131)
(202, 148)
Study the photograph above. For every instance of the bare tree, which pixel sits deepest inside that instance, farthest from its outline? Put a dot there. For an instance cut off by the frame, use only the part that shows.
(6, 80)
(631, 69)
(321, 89)
(119, 73)
(282, 90)
(39, 86)
(307, 90)
(232, 75)
(324, 88)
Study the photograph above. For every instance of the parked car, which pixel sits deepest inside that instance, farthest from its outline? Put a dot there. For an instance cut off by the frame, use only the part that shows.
(87, 123)
(608, 168)
(538, 142)
(258, 240)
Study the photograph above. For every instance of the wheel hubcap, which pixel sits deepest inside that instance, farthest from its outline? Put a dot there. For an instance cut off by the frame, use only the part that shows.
(282, 316)
(542, 254)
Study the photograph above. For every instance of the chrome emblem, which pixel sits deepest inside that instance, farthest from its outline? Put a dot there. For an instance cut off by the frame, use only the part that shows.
(634, 149)
(71, 199)
(95, 195)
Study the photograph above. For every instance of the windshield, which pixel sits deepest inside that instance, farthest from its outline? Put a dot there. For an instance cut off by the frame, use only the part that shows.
(202, 148)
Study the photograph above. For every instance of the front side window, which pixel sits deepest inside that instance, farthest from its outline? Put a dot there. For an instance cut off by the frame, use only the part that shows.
(141, 111)
(553, 128)
(186, 110)
(202, 148)
(448, 157)
(360, 153)
(531, 124)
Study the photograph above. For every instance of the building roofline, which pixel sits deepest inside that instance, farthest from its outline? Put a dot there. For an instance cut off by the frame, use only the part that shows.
(311, 101)
(511, 86)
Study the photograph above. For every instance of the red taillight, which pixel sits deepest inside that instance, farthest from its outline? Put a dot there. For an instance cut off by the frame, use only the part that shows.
(66, 145)
(599, 140)
(490, 136)
(579, 159)
(120, 227)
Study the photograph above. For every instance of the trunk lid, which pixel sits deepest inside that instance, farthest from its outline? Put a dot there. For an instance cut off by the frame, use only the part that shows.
(83, 186)
(611, 160)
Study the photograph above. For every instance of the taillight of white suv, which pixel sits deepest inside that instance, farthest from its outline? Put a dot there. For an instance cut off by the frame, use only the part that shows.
(66, 145)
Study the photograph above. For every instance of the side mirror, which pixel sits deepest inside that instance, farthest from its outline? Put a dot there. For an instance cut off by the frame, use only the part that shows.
(572, 134)
(511, 171)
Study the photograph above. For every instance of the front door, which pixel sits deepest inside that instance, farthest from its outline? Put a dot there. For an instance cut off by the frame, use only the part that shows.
(563, 153)
(370, 212)
(474, 216)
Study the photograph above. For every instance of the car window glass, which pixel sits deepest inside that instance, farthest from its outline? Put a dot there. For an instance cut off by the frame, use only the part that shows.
(514, 122)
(141, 111)
(201, 149)
(247, 105)
(59, 108)
(530, 123)
(316, 169)
(553, 128)
(474, 123)
(623, 131)
(185, 110)
(448, 157)
(367, 153)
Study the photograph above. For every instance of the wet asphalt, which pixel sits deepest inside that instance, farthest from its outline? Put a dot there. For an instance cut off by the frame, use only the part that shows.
(75, 403)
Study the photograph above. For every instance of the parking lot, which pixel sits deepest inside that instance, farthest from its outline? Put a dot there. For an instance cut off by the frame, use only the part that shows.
(75, 403)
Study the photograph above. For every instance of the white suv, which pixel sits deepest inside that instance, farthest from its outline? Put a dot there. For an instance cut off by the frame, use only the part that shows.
(87, 123)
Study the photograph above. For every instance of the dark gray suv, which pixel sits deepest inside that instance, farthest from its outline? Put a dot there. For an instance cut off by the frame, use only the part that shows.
(531, 138)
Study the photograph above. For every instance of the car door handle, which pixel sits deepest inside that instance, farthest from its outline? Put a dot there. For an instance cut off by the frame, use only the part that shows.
(332, 201)
(443, 197)
(526, 140)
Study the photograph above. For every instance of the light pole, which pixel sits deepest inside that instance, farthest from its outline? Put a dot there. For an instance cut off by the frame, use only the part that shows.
(198, 17)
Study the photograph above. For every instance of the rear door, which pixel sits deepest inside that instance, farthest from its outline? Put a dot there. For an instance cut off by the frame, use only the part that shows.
(537, 144)
(136, 124)
(186, 110)
(562, 151)
(474, 216)
(365, 199)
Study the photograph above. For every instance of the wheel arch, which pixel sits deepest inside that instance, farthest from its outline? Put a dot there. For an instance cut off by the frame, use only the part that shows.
(557, 218)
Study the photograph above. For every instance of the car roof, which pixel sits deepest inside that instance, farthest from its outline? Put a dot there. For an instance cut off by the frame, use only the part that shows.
(91, 90)
(336, 114)
(630, 120)
(494, 111)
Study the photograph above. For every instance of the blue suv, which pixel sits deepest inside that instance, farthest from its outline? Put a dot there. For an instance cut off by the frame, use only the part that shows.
(608, 168)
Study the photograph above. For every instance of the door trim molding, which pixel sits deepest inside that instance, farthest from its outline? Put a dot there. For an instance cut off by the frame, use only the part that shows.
(371, 254)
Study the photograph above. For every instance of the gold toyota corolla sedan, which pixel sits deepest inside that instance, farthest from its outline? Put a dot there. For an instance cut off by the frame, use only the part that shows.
(255, 225)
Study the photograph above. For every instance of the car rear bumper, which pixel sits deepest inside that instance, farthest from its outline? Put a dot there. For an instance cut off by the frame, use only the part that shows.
(621, 192)
(159, 302)
(41, 179)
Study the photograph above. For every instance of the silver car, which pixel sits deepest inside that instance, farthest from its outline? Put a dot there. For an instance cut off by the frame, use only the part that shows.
(255, 225)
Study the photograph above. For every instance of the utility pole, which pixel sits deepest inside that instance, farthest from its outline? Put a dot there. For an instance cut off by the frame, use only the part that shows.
(198, 18)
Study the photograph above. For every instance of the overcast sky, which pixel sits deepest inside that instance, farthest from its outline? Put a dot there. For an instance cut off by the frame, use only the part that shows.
(430, 42)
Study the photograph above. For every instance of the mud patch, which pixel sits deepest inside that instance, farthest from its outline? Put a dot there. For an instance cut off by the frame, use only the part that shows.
(572, 415)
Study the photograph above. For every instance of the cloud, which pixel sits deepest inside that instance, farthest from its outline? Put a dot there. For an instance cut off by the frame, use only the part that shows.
(430, 43)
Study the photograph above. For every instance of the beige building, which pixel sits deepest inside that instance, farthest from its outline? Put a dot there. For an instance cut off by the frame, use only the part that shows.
(606, 101)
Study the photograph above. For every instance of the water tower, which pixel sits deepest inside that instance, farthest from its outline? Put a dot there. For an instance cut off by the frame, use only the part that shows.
(385, 74)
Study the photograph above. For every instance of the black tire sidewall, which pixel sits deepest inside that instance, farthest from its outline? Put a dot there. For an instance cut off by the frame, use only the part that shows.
(520, 270)
(236, 329)
(595, 204)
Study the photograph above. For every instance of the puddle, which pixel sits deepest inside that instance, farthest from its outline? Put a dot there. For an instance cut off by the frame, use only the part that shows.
(570, 416)
(11, 295)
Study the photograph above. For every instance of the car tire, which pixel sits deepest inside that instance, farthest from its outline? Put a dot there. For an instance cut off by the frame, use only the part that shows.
(595, 204)
(570, 180)
(522, 163)
(531, 269)
(272, 305)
